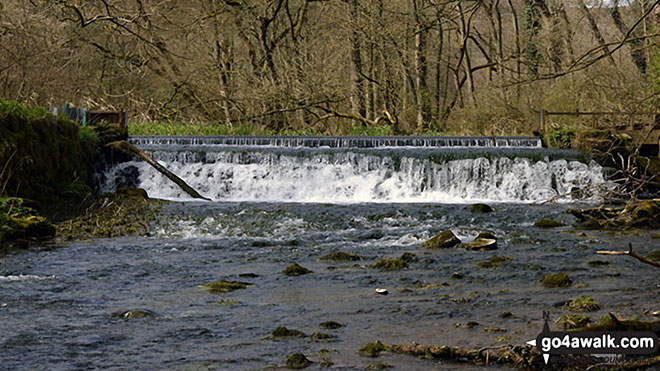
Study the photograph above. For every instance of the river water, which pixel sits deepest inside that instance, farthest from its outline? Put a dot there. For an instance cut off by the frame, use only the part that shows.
(276, 205)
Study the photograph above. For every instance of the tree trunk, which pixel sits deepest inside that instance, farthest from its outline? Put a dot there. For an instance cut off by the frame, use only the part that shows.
(357, 86)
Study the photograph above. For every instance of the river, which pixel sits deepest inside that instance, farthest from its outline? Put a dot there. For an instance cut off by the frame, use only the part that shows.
(276, 204)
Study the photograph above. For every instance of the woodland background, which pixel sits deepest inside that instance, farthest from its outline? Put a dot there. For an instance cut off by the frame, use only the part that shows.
(326, 66)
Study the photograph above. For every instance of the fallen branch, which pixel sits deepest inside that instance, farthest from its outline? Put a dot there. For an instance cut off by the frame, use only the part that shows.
(631, 253)
(125, 147)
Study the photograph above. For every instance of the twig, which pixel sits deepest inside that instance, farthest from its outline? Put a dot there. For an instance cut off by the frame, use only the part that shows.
(631, 253)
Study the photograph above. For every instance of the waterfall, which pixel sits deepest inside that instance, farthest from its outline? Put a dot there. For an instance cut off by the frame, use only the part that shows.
(259, 170)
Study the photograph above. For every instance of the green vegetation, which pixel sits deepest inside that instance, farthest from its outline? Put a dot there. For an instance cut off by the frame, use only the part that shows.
(43, 157)
(583, 304)
(297, 361)
(390, 264)
(547, 223)
(372, 350)
(572, 321)
(556, 280)
(340, 256)
(223, 286)
(283, 332)
(296, 270)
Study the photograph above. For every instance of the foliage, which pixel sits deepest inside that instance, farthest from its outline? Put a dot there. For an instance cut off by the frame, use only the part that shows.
(559, 138)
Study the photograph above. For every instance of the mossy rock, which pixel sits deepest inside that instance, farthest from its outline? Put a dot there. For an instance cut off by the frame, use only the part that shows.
(320, 336)
(297, 361)
(556, 280)
(547, 223)
(583, 304)
(480, 208)
(590, 224)
(283, 332)
(341, 256)
(653, 255)
(330, 325)
(445, 239)
(494, 262)
(480, 243)
(505, 314)
(29, 227)
(644, 209)
(296, 270)
(377, 366)
(372, 350)
(132, 192)
(223, 286)
(573, 321)
(487, 234)
(390, 264)
(468, 324)
(408, 257)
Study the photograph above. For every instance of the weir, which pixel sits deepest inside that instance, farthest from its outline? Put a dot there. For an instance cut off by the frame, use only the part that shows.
(359, 169)
(341, 141)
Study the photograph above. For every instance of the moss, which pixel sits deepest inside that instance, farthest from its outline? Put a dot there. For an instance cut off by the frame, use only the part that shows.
(377, 366)
(408, 257)
(479, 208)
(297, 361)
(283, 332)
(583, 304)
(132, 192)
(112, 215)
(296, 270)
(505, 314)
(341, 256)
(372, 350)
(556, 280)
(547, 223)
(229, 303)
(390, 264)
(330, 325)
(224, 286)
(468, 324)
(442, 240)
(572, 321)
(653, 255)
(319, 336)
(494, 329)
(494, 262)
(597, 263)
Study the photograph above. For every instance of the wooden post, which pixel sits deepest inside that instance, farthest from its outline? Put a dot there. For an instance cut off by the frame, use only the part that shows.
(543, 117)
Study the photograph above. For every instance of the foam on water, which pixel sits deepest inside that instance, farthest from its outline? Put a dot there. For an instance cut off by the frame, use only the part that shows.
(354, 178)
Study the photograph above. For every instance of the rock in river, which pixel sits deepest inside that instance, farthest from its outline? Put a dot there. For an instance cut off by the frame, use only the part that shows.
(443, 240)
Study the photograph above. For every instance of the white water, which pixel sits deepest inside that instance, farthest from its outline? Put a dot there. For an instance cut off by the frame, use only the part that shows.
(350, 177)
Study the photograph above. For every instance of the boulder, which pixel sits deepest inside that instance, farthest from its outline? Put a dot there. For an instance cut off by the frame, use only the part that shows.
(547, 223)
(481, 243)
(296, 270)
(445, 239)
